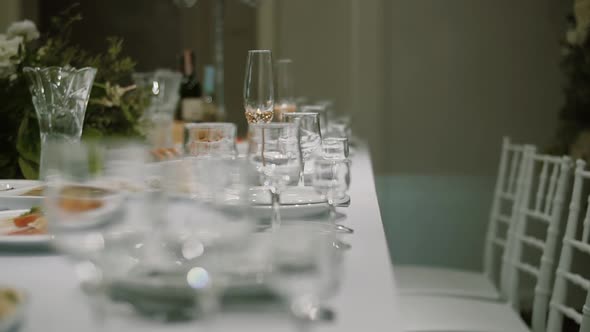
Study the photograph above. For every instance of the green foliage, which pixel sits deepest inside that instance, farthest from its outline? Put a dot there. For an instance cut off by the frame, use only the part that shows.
(574, 117)
(113, 110)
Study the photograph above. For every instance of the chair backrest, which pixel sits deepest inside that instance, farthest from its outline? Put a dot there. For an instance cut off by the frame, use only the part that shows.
(574, 240)
(539, 207)
(505, 194)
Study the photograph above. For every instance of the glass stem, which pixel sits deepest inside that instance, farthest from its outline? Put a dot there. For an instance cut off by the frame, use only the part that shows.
(43, 159)
(332, 211)
(302, 176)
(276, 214)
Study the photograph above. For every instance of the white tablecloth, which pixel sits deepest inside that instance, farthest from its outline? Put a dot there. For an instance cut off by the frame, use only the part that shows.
(366, 302)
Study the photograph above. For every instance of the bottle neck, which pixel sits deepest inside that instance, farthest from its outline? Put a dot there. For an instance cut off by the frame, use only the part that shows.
(188, 63)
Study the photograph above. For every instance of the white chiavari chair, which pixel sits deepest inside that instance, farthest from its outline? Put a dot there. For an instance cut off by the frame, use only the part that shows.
(428, 280)
(543, 187)
(575, 241)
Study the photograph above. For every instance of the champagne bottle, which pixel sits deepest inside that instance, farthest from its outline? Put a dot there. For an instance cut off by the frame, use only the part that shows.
(191, 102)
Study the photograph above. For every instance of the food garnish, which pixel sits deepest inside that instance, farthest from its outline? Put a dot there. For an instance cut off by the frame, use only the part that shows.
(9, 300)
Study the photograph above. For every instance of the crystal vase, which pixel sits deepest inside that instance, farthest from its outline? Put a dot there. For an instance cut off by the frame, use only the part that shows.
(60, 96)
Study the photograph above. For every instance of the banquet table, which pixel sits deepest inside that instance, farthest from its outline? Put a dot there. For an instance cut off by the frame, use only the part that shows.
(367, 299)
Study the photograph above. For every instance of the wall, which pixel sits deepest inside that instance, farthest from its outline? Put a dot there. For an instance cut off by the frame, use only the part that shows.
(462, 74)
(10, 11)
(433, 86)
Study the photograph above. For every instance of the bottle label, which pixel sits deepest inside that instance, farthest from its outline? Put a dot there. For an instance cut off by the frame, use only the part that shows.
(192, 109)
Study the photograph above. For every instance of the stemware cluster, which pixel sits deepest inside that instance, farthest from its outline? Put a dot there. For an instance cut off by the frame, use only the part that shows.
(170, 237)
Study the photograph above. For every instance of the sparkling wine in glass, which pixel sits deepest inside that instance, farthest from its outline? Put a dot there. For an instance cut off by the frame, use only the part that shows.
(258, 87)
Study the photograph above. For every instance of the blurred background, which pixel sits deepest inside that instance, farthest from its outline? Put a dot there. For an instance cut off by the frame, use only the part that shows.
(431, 85)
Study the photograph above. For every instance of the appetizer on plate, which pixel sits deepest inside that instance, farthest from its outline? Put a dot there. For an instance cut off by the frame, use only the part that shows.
(33, 192)
(31, 222)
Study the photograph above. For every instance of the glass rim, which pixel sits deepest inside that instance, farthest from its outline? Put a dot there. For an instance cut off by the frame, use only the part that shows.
(313, 107)
(325, 161)
(259, 51)
(66, 69)
(339, 139)
(301, 114)
(272, 125)
(210, 124)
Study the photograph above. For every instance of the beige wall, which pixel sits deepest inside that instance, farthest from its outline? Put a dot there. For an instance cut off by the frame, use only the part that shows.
(10, 11)
(463, 73)
(433, 85)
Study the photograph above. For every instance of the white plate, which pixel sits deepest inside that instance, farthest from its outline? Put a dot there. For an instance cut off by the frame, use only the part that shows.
(18, 239)
(290, 196)
(20, 186)
(296, 202)
(19, 202)
(290, 211)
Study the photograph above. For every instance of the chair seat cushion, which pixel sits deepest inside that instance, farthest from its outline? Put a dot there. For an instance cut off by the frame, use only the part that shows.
(426, 280)
(432, 313)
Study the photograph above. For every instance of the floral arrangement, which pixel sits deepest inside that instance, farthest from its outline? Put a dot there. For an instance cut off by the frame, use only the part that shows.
(573, 136)
(114, 109)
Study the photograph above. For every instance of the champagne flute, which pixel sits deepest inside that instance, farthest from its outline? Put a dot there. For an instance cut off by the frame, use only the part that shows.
(274, 150)
(322, 110)
(285, 94)
(311, 138)
(258, 87)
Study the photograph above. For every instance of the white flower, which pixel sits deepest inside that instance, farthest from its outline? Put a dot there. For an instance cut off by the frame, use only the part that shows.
(8, 50)
(26, 29)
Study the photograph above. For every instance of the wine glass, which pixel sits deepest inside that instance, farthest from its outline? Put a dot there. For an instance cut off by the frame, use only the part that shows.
(335, 148)
(163, 87)
(331, 178)
(274, 150)
(304, 271)
(322, 110)
(258, 87)
(285, 91)
(310, 137)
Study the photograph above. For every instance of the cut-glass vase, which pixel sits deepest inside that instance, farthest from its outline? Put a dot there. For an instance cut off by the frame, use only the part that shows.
(60, 96)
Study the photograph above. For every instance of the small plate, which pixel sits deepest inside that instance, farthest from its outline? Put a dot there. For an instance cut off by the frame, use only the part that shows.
(20, 186)
(40, 239)
(19, 202)
(290, 196)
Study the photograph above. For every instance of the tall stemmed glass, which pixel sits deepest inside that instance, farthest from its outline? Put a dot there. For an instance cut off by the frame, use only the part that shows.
(258, 87)
(311, 138)
(323, 113)
(285, 89)
(274, 150)
(331, 178)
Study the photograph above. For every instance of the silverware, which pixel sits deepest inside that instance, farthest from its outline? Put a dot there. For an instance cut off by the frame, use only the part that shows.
(6, 187)
(343, 229)
(338, 244)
